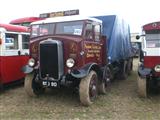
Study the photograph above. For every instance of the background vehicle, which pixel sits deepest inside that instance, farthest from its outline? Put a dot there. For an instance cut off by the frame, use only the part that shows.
(73, 51)
(149, 67)
(26, 21)
(13, 52)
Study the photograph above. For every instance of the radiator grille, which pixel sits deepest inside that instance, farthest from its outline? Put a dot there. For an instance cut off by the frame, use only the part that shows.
(51, 59)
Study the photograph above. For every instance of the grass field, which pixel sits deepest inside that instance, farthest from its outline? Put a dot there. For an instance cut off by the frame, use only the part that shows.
(120, 103)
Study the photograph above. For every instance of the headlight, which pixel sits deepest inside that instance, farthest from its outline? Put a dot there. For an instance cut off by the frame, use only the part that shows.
(31, 62)
(157, 68)
(70, 62)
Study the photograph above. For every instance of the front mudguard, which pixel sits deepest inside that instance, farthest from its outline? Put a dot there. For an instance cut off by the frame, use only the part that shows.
(27, 69)
(143, 72)
(84, 71)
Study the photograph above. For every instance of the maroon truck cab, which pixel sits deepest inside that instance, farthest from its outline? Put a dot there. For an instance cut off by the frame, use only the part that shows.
(149, 67)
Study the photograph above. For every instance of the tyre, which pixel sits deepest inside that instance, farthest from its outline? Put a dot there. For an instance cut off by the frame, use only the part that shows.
(142, 87)
(103, 84)
(88, 89)
(130, 66)
(152, 85)
(123, 72)
(32, 88)
(1, 87)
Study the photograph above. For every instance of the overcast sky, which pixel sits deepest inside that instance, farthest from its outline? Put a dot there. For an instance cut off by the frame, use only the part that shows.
(135, 12)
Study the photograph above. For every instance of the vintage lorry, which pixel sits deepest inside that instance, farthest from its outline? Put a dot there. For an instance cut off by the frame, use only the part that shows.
(149, 62)
(14, 52)
(73, 51)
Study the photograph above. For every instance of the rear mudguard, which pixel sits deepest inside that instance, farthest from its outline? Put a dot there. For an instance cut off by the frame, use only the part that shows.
(143, 72)
(84, 71)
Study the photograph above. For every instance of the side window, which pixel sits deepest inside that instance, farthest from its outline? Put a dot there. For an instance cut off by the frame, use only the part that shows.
(25, 41)
(89, 33)
(11, 41)
(97, 30)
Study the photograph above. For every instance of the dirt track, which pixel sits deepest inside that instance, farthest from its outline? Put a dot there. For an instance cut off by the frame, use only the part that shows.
(121, 102)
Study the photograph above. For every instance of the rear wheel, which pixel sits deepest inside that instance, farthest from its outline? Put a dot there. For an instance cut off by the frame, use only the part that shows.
(129, 66)
(123, 72)
(103, 84)
(32, 87)
(88, 89)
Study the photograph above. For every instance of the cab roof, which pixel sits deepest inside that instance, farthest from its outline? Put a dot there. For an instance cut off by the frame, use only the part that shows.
(14, 28)
(25, 19)
(65, 19)
(152, 26)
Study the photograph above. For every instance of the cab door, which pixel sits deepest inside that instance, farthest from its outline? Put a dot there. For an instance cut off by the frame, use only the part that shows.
(23, 49)
(92, 44)
(24, 44)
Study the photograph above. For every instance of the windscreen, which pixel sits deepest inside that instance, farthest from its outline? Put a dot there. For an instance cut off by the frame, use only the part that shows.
(71, 28)
(42, 29)
(153, 40)
(11, 41)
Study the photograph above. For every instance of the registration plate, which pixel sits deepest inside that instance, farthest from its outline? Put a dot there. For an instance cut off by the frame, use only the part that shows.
(50, 83)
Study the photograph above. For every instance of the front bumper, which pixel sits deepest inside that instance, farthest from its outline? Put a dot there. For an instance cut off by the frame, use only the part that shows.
(143, 72)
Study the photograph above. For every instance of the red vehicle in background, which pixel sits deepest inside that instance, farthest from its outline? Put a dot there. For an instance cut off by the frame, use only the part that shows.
(25, 21)
(13, 52)
(149, 67)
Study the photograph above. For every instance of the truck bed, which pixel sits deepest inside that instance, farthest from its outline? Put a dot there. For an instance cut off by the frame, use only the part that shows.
(118, 37)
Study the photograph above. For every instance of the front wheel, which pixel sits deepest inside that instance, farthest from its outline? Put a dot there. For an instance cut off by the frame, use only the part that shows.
(32, 87)
(142, 86)
(88, 88)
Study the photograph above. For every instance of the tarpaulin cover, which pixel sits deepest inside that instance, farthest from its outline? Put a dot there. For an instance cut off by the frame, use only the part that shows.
(118, 37)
